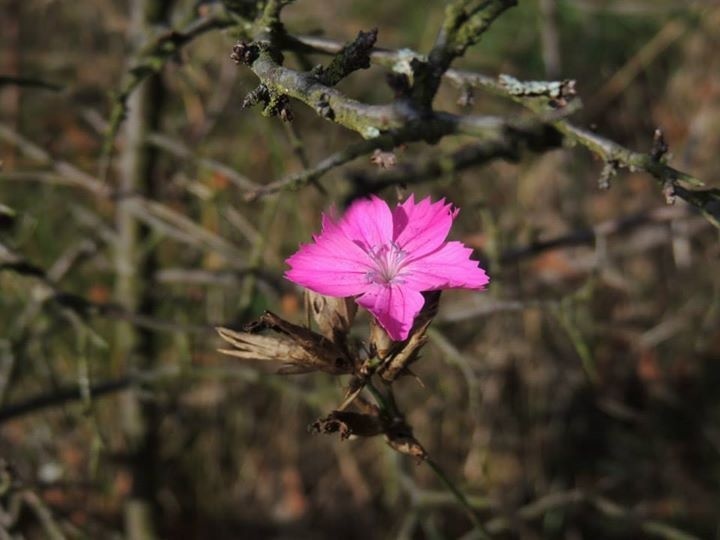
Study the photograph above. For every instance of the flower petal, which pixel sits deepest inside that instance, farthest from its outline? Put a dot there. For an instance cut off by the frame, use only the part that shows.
(394, 307)
(329, 283)
(333, 265)
(368, 223)
(446, 268)
(423, 227)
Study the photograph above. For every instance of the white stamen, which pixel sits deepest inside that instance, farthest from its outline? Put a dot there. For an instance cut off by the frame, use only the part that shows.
(388, 259)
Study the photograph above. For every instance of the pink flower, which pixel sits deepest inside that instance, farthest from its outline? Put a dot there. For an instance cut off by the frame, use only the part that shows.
(387, 258)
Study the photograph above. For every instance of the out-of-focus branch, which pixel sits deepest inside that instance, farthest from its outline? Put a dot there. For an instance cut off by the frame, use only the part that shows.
(52, 294)
(180, 150)
(29, 82)
(536, 509)
(159, 216)
(176, 148)
(182, 228)
(108, 387)
(505, 140)
(587, 236)
(464, 24)
(61, 396)
(150, 60)
(508, 148)
(651, 527)
(670, 32)
(603, 505)
(550, 38)
(73, 175)
(297, 180)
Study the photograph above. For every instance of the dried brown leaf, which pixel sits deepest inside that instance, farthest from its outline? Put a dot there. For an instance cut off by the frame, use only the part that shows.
(406, 444)
(349, 423)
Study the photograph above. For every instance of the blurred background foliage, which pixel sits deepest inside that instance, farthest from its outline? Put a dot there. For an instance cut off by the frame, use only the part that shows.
(577, 398)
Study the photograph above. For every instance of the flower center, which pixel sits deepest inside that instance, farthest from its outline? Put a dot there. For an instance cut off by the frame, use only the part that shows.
(388, 263)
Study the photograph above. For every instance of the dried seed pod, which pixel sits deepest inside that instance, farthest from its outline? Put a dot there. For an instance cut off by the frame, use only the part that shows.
(398, 363)
(333, 316)
(300, 349)
(380, 343)
(408, 351)
(268, 348)
(349, 423)
(405, 443)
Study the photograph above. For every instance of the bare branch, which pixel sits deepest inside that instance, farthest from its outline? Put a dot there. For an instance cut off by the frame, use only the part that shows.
(464, 23)
(540, 97)
(74, 175)
(504, 147)
(29, 82)
(353, 56)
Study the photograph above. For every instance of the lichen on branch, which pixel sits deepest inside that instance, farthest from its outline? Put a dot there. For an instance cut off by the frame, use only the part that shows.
(353, 56)
(548, 100)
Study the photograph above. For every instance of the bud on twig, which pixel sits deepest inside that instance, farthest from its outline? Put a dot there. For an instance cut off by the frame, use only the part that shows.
(384, 160)
(244, 53)
(659, 146)
(609, 171)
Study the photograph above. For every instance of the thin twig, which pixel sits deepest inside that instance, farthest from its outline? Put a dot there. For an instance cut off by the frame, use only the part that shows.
(708, 201)
(480, 530)
(157, 215)
(151, 59)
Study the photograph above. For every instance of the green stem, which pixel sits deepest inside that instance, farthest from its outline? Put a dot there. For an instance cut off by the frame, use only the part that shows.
(380, 399)
(247, 288)
(388, 406)
(461, 499)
